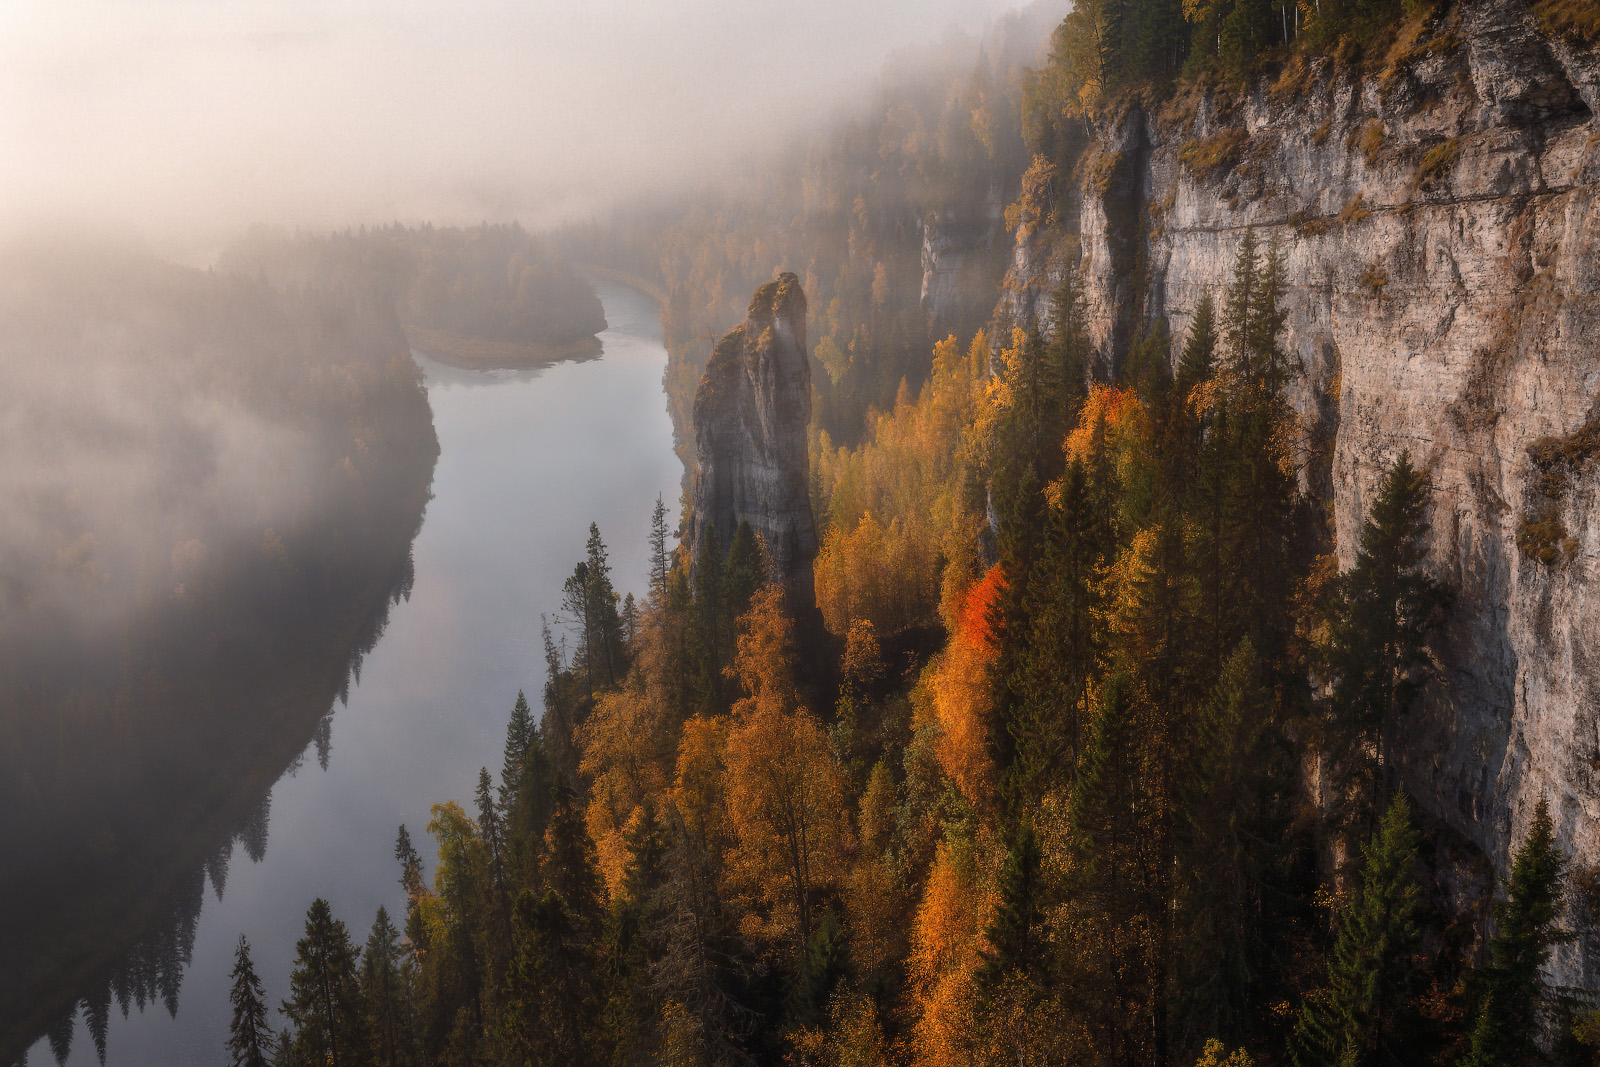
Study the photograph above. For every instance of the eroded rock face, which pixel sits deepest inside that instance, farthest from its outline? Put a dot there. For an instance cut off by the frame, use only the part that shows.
(1441, 232)
(751, 410)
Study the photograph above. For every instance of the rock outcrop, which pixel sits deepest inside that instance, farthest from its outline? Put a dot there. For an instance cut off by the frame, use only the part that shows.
(751, 411)
(1442, 235)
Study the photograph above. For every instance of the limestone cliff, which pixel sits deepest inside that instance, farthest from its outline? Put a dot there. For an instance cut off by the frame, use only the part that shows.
(751, 410)
(1441, 229)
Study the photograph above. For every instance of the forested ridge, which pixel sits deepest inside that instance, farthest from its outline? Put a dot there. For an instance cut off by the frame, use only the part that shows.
(1094, 765)
(183, 597)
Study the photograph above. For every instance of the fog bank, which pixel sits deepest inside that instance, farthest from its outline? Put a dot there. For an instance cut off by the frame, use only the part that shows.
(180, 121)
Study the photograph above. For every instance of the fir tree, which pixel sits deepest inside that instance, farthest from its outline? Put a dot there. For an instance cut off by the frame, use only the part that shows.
(553, 987)
(1067, 357)
(743, 572)
(706, 636)
(1017, 952)
(1198, 361)
(250, 1040)
(1367, 1015)
(386, 987)
(660, 558)
(1383, 611)
(519, 737)
(1231, 838)
(570, 869)
(324, 1005)
(1515, 1002)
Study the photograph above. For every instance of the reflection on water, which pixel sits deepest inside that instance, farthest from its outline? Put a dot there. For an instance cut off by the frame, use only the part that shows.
(528, 460)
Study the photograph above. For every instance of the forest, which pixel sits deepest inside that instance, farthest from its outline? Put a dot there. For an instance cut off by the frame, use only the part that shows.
(1093, 762)
(199, 549)
(499, 286)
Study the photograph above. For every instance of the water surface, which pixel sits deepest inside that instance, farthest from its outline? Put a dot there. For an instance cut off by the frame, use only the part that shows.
(527, 460)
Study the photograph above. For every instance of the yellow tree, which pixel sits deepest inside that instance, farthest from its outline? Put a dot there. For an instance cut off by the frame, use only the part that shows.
(625, 758)
(785, 797)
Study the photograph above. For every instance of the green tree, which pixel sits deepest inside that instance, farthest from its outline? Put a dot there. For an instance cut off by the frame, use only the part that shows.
(250, 1039)
(660, 557)
(570, 869)
(1198, 362)
(554, 993)
(519, 738)
(1515, 1001)
(1383, 610)
(743, 573)
(387, 987)
(1367, 1016)
(1235, 805)
(325, 1006)
(1017, 951)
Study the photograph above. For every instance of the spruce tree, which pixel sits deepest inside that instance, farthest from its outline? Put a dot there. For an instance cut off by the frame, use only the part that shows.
(1367, 1015)
(1017, 951)
(553, 999)
(570, 869)
(1383, 611)
(604, 613)
(411, 882)
(325, 1005)
(519, 736)
(707, 636)
(1231, 829)
(743, 573)
(1198, 361)
(386, 987)
(1514, 1000)
(1067, 355)
(250, 1040)
(1061, 653)
(660, 558)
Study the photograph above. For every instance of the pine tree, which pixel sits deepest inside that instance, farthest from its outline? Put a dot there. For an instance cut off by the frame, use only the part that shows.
(1383, 611)
(250, 1040)
(1515, 1000)
(490, 826)
(1367, 1015)
(324, 1005)
(607, 621)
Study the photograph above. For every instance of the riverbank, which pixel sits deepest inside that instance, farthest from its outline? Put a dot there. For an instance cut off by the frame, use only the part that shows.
(481, 353)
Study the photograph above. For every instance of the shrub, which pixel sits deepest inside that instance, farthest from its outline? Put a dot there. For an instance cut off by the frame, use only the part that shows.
(1211, 157)
(1438, 161)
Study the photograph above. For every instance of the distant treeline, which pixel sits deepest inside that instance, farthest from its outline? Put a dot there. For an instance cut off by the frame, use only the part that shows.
(212, 487)
(494, 282)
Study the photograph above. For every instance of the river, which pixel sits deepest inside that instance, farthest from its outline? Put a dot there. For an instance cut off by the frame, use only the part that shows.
(527, 460)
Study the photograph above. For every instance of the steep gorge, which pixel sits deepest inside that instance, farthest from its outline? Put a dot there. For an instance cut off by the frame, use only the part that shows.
(1439, 225)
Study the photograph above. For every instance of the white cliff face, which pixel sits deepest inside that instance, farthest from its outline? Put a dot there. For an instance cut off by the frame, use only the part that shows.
(1441, 233)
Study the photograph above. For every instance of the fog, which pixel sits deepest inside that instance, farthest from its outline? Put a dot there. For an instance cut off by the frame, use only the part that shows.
(181, 121)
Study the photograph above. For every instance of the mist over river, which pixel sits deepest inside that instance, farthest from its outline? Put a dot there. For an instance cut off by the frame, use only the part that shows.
(528, 459)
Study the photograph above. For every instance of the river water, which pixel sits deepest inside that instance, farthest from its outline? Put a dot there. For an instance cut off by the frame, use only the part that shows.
(527, 460)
